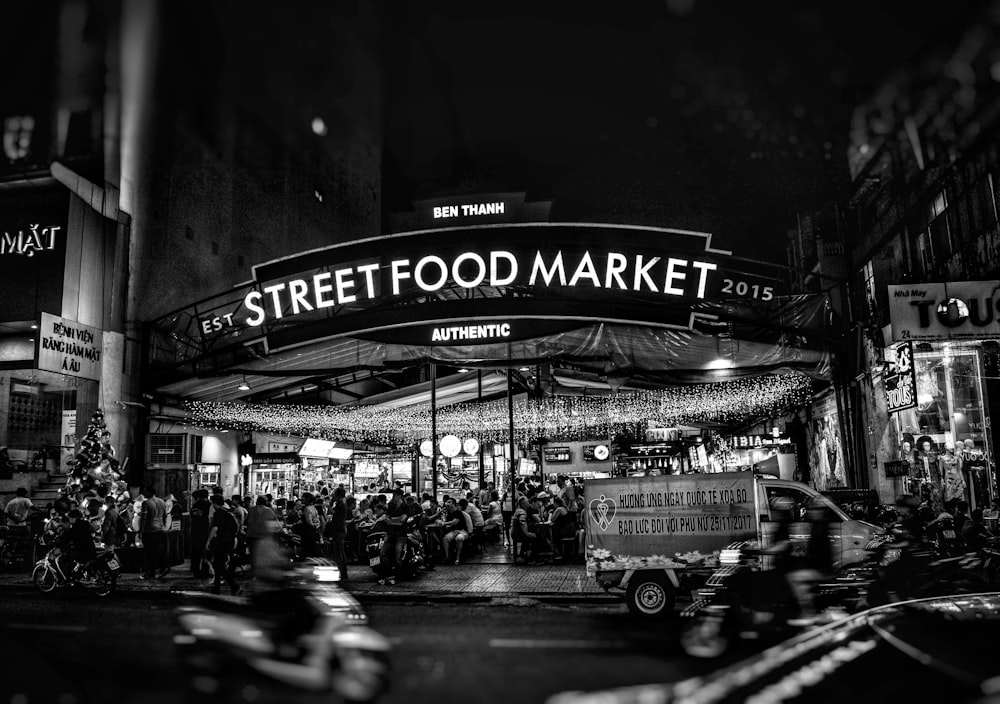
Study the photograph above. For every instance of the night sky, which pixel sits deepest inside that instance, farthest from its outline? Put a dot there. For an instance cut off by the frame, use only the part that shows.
(730, 117)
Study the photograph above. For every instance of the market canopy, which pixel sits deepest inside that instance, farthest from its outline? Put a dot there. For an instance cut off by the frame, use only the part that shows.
(576, 308)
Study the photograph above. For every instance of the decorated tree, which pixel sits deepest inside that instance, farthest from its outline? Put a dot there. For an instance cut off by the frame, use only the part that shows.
(95, 464)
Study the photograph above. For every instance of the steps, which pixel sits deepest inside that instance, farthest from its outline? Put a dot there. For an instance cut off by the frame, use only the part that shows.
(48, 490)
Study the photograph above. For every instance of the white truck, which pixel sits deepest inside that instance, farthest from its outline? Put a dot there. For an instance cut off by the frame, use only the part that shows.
(657, 537)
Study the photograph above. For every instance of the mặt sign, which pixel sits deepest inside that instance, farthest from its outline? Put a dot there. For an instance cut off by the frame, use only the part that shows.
(68, 347)
(901, 380)
(954, 310)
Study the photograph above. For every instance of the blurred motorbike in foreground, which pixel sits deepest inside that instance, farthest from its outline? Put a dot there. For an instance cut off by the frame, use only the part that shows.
(312, 635)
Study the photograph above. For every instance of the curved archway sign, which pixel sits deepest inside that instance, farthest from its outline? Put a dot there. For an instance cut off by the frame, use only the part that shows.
(488, 283)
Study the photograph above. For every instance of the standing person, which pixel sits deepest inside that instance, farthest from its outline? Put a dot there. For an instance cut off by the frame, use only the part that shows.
(199, 532)
(17, 509)
(261, 520)
(310, 526)
(112, 524)
(220, 545)
(240, 512)
(507, 513)
(152, 514)
(336, 530)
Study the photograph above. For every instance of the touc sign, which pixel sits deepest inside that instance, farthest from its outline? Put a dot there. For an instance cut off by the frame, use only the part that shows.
(955, 310)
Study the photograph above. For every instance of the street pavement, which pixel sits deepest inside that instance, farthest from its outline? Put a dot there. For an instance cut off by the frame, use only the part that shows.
(73, 648)
(489, 577)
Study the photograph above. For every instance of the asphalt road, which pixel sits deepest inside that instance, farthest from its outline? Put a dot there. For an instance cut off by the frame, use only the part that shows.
(73, 649)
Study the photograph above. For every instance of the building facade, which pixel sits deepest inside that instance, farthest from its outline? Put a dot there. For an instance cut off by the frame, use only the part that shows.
(924, 258)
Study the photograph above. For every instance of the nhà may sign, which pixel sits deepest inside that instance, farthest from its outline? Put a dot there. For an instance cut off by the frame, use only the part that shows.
(67, 347)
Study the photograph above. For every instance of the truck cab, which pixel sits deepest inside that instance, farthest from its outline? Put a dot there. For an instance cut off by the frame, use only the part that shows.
(848, 536)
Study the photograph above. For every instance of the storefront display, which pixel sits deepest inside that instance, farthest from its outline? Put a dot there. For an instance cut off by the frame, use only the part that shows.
(943, 439)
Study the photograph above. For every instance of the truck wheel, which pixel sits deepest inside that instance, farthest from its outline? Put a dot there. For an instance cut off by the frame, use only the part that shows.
(650, 596)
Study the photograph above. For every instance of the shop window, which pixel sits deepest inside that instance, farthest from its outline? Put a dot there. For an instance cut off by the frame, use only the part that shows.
(940, 232)
(39, 416)
(950, 405)
(924, 252)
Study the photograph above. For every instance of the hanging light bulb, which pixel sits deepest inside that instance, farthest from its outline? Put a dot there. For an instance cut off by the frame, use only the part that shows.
(244, 386)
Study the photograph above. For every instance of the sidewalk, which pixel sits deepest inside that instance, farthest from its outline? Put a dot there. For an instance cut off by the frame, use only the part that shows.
(480, 581)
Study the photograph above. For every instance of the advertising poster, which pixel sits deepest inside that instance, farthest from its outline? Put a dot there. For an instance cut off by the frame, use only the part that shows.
(901, 381)
(673, 521)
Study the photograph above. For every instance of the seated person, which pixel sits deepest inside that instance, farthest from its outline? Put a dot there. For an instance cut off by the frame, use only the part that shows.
(975, 532)
(494, 514)
(522, 528)
(458, 526)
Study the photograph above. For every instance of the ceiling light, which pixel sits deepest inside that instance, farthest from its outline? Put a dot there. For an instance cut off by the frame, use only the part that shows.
(244, 386)
(720, 363)
(319, 126)
(34, 327)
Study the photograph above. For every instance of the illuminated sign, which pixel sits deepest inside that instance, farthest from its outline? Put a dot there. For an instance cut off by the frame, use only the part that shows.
(611, 270)
(452, 281)
(556, 454)
(467, 210)
(749, 441)
(457, 333)
(27, 242)
(901, 381)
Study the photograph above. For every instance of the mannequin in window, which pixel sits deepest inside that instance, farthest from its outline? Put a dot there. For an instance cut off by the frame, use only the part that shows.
(953, 482)
(927, 461)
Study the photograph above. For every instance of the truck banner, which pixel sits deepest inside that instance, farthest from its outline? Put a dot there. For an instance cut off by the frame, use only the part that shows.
(674, 521)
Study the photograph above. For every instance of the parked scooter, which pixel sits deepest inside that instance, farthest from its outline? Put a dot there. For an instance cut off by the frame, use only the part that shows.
(99, 576)
(312, 635)
(412, 559)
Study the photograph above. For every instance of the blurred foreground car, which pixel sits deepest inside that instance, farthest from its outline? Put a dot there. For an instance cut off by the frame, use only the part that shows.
(938, 649)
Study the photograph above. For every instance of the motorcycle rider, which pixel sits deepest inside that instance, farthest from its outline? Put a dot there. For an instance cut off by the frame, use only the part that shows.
(77, 544)
(272, 568)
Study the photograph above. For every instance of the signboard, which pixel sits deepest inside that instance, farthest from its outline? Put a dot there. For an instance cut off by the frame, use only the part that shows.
(956, 310)
(282, 447)
(757, 440)
(596, 453)
(66, 347)
(896, 468)
(33, 232)
(568, 271)
(556, 454)
(901, 381)
(482, 208)
(666, 521)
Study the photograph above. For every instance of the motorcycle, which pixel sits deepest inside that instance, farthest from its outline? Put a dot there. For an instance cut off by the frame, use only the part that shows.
(331, 649)
(923, 572)
(740, 602)
(411, 560)
(100, 575)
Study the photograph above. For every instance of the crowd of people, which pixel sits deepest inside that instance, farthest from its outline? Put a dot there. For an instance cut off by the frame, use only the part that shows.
(220, 532)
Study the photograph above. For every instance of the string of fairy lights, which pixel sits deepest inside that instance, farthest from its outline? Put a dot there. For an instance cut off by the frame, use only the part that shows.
(731, 403)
